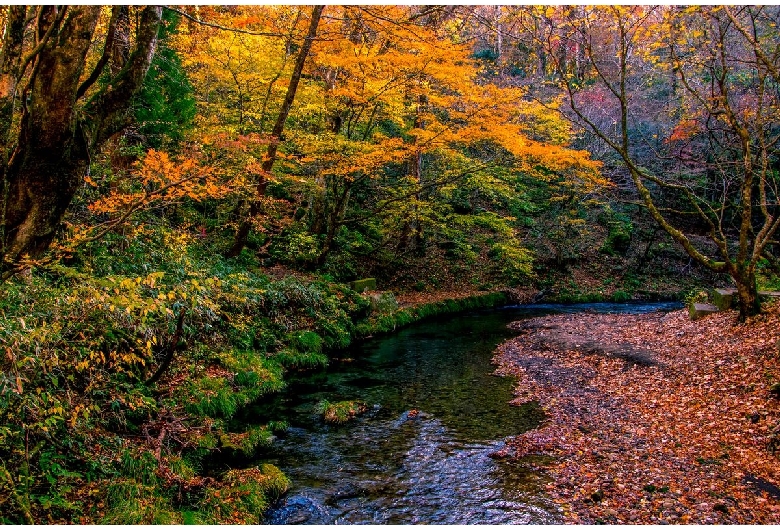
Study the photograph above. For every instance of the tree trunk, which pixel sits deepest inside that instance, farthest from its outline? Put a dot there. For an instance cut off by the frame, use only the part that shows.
(415, 170)
(51, 154)
(10, 65)
(749, 302)
(49, 161)
(242, 234)
(335, 221)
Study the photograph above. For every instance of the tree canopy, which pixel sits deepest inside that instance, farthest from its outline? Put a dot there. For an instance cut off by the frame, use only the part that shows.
(190, 194)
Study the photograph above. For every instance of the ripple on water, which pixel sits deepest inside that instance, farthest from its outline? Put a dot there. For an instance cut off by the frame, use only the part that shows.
(414, 471)
(433, 466)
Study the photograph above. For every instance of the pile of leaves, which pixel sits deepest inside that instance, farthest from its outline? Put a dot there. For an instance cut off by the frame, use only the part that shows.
(686, 436)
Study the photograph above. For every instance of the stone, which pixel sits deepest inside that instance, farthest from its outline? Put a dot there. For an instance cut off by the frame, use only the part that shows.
(698, 311)
(383, 302)
(723, 299)
(361, 286)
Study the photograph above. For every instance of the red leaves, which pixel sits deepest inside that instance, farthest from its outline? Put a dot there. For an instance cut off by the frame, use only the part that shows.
(650, 444)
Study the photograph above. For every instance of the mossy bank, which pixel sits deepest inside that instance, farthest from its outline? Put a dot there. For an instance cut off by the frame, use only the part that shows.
(120, 391)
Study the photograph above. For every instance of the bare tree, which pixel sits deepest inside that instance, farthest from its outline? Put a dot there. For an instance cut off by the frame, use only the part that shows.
(719, 159)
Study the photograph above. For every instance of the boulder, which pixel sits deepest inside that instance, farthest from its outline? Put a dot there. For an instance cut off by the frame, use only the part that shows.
(383, 302)
(361, 286)
(698, 311)
(723, 299)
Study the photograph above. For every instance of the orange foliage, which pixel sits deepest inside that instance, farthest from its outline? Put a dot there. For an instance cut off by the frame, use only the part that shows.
(689, 438)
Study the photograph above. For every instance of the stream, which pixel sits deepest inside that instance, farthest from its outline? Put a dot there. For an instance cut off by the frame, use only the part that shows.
(421, 454)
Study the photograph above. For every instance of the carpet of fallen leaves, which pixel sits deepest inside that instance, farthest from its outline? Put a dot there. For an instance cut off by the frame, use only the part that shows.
(689, 438)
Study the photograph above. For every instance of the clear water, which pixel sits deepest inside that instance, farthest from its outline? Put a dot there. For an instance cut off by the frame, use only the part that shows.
(421, 453)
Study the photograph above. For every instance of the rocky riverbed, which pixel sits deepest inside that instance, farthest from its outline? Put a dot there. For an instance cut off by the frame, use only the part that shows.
(652, 418)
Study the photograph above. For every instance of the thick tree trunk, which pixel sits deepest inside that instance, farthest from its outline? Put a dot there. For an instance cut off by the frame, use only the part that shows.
(51, 153)
(749, 302)
(10, 66)
(49, 160)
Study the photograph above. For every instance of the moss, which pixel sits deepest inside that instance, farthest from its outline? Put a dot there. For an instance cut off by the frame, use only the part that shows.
(385, 323)
(242, 496)
(211, 397)
(181, 467)
(620, 296)
(367, 284)
(247, 442)
(291, 358)
(340, 412)
(306, 341)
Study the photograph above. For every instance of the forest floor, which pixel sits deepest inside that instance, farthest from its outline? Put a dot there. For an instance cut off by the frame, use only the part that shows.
(652, 418)
(411, 298)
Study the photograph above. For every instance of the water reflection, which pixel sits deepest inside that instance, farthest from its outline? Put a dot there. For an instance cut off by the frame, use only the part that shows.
(422, 453)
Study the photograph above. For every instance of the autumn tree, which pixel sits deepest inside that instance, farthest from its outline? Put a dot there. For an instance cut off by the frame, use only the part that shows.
(255, 204)
(719, 68)
(406, 123)
(57, 105)
(239, 58)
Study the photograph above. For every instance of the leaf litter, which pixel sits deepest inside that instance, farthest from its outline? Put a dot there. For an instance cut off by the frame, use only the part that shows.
(652, 418)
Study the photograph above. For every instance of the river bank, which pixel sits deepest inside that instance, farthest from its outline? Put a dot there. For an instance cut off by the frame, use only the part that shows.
(652, 418)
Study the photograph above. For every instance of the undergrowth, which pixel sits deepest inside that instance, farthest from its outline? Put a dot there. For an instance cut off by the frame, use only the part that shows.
(119, 380)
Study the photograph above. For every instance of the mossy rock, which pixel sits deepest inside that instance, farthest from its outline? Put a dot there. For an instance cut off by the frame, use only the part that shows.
(340, 412)
(361, 286)
(723, 299)
(243, 495)
(699, 311)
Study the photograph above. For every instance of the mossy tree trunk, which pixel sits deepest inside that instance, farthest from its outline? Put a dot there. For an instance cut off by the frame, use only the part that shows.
(61, 120)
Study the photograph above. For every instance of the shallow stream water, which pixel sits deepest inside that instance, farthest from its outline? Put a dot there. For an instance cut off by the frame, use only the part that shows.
(421, 452)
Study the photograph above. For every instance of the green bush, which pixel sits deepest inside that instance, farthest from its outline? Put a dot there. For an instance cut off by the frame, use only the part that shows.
(242, 496)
